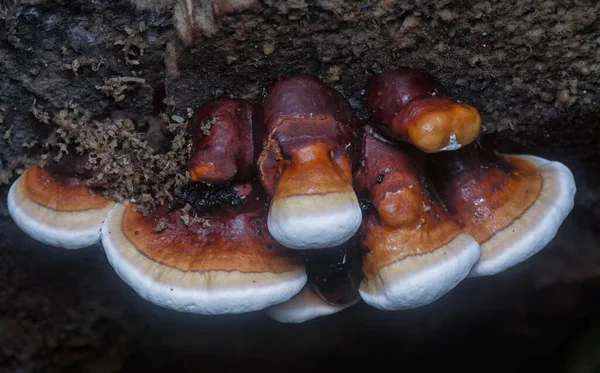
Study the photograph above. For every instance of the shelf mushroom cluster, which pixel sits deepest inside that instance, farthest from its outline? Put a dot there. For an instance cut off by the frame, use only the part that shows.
(323, 210)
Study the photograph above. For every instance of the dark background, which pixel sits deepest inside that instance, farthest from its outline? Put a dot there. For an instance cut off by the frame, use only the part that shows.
(531, 69)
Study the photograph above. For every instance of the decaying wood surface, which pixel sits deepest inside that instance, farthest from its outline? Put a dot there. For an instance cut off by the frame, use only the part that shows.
(531, 68)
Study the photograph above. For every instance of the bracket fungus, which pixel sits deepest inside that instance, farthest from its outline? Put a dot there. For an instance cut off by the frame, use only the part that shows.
(410, 105)
(241, 236)
(225, 263)
(512, 205)
(307, 164)
(230, 265)
(53, 204)
(414, 252)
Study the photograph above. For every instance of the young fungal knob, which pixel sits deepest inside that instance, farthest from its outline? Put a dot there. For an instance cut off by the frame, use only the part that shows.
(222, 142)
(307, 163)
(512, 205)
(410, 105)
(54, 205)
(414, 253)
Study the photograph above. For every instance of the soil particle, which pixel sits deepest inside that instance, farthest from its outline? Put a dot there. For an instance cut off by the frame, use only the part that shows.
(268, 48)
(75, 65)
(117, 85)
(161, 225)
(185, 214)
(206, 126)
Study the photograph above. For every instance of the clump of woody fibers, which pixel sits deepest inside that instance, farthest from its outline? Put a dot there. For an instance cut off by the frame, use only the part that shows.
(123, 163)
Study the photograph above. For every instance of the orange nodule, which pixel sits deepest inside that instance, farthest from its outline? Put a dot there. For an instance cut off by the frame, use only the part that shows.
(209, 172)
(313, 171)
(400, 208)
(61, 194)
(398, 199)
(409, 223)
(434, 124)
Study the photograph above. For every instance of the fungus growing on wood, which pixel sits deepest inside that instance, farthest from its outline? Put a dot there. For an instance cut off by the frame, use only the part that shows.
(512, 205)
(54, 205)
(410, 105)
(218, 261)
(307, 164)
(222, 143)
(222, 245)
(414, 252)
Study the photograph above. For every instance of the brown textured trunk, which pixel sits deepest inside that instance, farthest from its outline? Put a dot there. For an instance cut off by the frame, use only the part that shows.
(531, 69)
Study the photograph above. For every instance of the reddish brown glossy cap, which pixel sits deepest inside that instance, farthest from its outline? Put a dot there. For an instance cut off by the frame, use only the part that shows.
(306, 164)
(414, 252)
(218, 261)
(222, 144)
(391, 90)
(301, 111)
(410, 105)
(302, 96)
(511, 204)
(57, 210)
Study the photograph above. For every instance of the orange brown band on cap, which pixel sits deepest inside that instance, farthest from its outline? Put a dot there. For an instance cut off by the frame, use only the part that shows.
(486, 200)
(313, 171)
(388, 245)
(271, 161)
(408, 219)
(422, 227)
(58, 193)
(198, 248)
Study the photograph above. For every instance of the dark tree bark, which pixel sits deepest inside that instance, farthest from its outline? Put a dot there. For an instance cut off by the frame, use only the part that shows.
(532, 69)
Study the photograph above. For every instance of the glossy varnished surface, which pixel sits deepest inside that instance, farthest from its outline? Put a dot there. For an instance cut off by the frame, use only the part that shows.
(389, 92)
(234, 238)
(312, 171)
(409, 105)
(189, 272)
(429, 122)
(407, 219)
(222, 143)
(485, 192)
(302, 111)
(60, 193)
